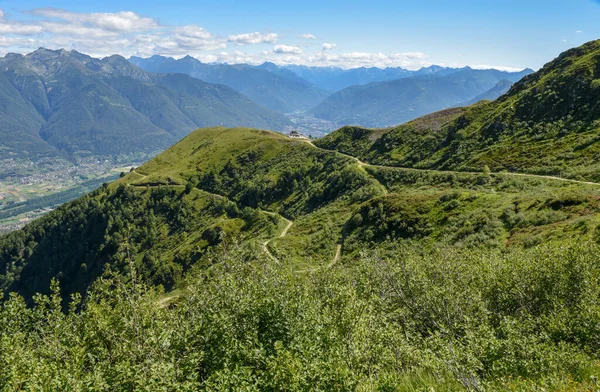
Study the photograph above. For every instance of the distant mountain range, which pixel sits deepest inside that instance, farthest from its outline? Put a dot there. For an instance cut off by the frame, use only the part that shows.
(68, 104)
(273, 87)
(360, 96)
(394, 102)
(334, 78)
(501, 88)
(59, 103)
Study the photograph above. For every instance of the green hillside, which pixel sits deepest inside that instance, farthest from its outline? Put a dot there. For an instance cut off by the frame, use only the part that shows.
(268, 245)
(546, 124)
(165, 209)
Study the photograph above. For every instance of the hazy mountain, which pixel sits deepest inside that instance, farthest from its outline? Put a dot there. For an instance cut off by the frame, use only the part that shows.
(269, 85)
(394, 102)
(67, 103)
(495, 92)
(232, 175)
(334, 78)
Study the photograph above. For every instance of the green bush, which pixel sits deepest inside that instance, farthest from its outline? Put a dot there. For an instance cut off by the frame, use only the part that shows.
(408, 319)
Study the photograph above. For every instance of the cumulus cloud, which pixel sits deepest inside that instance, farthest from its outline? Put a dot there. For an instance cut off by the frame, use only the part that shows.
(410, 60)
(120, 21)
(12, 41)
(287, 49)
(253, 38)
(14, 27)
(327, 46)
(196, 38)
(308, 36)
(75, 29)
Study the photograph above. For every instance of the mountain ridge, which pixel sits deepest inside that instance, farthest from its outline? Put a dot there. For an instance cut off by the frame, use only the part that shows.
(272, 87)
(388, 103)
(72, 106)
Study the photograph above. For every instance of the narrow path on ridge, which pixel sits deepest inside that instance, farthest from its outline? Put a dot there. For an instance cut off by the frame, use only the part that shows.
(363, 164)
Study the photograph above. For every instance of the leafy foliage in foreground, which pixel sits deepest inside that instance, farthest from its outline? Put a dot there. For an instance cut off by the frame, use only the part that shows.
(548, 123)
(164, 231)
(404, 321)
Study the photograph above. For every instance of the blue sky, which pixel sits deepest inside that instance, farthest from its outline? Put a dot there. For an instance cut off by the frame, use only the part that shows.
(410, 33)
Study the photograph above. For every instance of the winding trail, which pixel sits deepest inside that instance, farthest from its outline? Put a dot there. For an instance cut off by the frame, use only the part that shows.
(265, 245)
(283, 233)
(363, 164)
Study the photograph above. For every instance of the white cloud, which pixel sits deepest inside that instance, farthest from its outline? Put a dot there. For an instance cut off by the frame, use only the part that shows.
(19, 28)
(578, 32)
(11, 41)
(193, 31)
(120, 21)
(327, 46)
(194, 37)
(287, 49)
(14, 27)
(75, 29)
(253, 38)
(308, 36)
(410, 60)
(563, 40)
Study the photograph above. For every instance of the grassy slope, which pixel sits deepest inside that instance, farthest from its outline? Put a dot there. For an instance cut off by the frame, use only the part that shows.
(424, 267)
(546, 124)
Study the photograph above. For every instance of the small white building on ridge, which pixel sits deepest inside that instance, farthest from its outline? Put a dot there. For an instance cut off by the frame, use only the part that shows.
(296, 135)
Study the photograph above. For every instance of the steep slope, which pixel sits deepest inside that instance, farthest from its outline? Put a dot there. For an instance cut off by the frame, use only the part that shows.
(69, 104)
(268, 85)
(210, 189)
(548, 123)
(394, 102)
